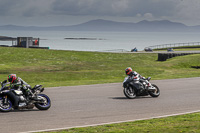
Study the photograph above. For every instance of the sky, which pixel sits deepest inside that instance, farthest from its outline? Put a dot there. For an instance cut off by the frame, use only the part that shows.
(72, 12)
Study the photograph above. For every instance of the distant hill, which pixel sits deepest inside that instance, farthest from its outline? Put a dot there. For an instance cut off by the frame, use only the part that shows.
(6, 38)
(106, 25)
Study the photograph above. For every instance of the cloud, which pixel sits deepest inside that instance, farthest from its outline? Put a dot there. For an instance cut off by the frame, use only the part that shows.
(188, 10)
(56, 10)
(114, 7)
(124, 8)
(26, 8)
(148, 15)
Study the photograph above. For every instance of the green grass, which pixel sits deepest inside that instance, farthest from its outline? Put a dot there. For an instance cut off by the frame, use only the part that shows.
(66, 68)
(188, 49)
(189, 123)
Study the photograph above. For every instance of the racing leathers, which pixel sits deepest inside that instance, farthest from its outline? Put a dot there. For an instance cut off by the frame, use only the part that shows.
(142, 79)
(22, 85)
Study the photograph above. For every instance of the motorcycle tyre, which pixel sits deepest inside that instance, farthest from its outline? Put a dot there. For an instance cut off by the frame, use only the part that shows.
(40, 106)
(129, 96)
(155, 94)
(9, 107)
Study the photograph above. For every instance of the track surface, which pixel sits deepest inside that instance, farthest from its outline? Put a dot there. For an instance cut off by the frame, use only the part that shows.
(95, 104)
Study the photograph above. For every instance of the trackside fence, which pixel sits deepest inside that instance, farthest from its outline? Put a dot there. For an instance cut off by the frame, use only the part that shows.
(172, 45)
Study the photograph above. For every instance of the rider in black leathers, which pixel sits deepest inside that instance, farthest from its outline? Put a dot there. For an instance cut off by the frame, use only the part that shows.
(18, 84)
(133, 74)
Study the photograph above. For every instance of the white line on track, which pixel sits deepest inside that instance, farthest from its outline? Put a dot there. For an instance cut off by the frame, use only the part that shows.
(92, 125)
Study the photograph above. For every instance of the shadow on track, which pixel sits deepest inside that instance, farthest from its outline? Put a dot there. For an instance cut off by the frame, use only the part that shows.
(124, 98)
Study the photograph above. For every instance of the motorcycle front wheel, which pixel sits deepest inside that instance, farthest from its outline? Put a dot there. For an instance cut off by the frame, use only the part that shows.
(156, 92)
(129, 92)
(5, 107)
(45, 104)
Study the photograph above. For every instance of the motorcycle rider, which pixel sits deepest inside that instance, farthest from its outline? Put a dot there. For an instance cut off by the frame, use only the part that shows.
(129, 71)
(17, 83)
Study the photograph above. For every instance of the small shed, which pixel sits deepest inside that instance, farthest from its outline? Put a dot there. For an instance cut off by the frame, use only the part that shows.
(27, 42)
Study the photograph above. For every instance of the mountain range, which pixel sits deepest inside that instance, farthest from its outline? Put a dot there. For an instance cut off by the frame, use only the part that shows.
(107, 25)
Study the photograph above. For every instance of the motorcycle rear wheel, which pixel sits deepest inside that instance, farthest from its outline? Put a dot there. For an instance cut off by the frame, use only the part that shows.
(129, 92)
(5, 107)
(155, 93)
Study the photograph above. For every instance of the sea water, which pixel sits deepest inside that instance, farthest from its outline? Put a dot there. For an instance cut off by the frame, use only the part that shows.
(102, 41)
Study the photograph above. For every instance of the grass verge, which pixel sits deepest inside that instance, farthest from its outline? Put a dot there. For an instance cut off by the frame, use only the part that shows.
(65, 68)
(189, 123)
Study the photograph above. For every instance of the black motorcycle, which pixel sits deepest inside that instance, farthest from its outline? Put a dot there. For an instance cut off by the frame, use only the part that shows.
(15, 99)
(135, 87)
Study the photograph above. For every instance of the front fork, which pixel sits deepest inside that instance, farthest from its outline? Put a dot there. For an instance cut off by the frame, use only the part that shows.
(5, 100)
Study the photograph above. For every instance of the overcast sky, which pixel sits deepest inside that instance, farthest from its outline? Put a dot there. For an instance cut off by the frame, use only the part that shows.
(70, 12)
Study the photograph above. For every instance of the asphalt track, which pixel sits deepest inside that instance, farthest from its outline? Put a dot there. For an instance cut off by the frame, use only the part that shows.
(103, 103)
